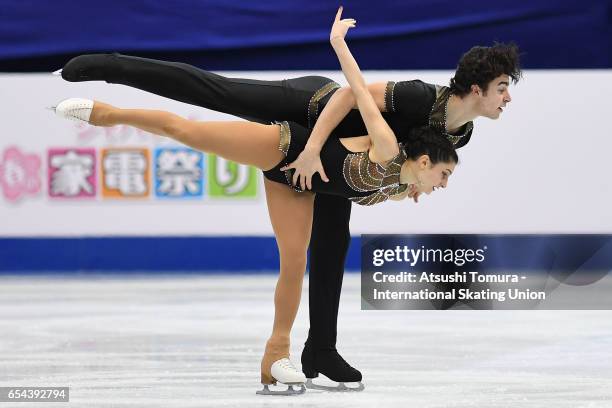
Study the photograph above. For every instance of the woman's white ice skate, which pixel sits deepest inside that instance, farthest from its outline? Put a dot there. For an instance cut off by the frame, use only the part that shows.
(284, 372)
(77, 109)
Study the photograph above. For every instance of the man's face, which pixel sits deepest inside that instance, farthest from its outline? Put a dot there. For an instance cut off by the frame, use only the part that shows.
(494, 100)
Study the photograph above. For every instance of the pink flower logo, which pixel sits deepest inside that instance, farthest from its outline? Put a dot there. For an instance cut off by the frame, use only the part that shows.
(19, 174)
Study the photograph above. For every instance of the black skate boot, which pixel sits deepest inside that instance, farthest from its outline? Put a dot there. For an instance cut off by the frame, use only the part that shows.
(331, 364)
(91, 67)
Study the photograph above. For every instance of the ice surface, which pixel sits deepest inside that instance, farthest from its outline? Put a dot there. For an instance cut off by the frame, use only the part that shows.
(196, 341)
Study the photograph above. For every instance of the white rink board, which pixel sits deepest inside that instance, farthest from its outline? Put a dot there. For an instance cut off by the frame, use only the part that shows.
(542, 168)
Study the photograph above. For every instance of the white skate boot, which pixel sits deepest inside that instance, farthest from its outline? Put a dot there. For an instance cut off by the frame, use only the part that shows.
(74, 109)
(284, 372)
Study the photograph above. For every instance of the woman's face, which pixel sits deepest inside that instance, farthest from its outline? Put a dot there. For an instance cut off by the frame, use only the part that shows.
(431, 177)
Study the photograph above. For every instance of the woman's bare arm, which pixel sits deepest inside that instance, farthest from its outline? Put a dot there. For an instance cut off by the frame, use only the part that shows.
(384, 142)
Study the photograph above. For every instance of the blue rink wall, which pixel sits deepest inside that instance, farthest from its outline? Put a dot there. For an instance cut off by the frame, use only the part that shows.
(150, 254)
(282, 35)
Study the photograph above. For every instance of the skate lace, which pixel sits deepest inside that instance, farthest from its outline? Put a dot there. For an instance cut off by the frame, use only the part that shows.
(287, 364)
(78, 111)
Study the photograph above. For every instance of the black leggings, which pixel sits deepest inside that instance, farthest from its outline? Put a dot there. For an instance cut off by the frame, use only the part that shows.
(255, 100)
(259, 101)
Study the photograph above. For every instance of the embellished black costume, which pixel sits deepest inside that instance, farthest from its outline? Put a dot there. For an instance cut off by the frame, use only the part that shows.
(408, 104)
(351, 175)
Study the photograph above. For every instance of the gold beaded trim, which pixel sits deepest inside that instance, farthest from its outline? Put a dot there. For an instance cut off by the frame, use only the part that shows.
(389, 101)
(283, 145)
(362, 175)
(379, 196)
(313, 105)
(285, 137)
(438, 115)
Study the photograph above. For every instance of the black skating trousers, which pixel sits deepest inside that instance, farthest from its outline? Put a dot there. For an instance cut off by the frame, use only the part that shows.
(259, 101)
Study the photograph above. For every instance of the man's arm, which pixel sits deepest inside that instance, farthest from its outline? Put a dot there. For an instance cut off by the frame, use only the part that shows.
(336, 109)
(309, 160)
(339, 105)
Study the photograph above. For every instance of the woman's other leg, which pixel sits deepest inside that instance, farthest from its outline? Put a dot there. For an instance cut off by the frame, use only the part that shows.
(243, 142)
(291, 218)
(256, 100)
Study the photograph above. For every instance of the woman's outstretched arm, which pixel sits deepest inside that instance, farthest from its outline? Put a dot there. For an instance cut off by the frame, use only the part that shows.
(384, 142)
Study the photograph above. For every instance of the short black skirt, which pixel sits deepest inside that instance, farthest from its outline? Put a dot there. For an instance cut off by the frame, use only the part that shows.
(293, 139)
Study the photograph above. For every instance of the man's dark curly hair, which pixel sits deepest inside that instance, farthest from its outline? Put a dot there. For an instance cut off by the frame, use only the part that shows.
(481, 65)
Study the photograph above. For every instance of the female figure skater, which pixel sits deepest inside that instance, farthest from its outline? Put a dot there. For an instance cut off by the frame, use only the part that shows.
(366, 170)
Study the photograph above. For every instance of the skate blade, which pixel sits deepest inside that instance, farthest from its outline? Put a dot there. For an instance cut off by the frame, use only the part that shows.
(341, 387)
(58, 72)
(288, 392)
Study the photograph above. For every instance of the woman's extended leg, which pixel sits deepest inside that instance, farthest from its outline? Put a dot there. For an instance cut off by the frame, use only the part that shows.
(291, 218)
(243, 142)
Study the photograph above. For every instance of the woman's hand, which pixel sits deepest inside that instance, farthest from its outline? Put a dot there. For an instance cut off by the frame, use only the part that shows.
(306, 165)
(413, 193)
(340, 27)
(415, 196)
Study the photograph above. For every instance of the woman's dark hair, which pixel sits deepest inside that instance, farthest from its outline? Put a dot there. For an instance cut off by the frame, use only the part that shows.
(481, 65)
(425, 140)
